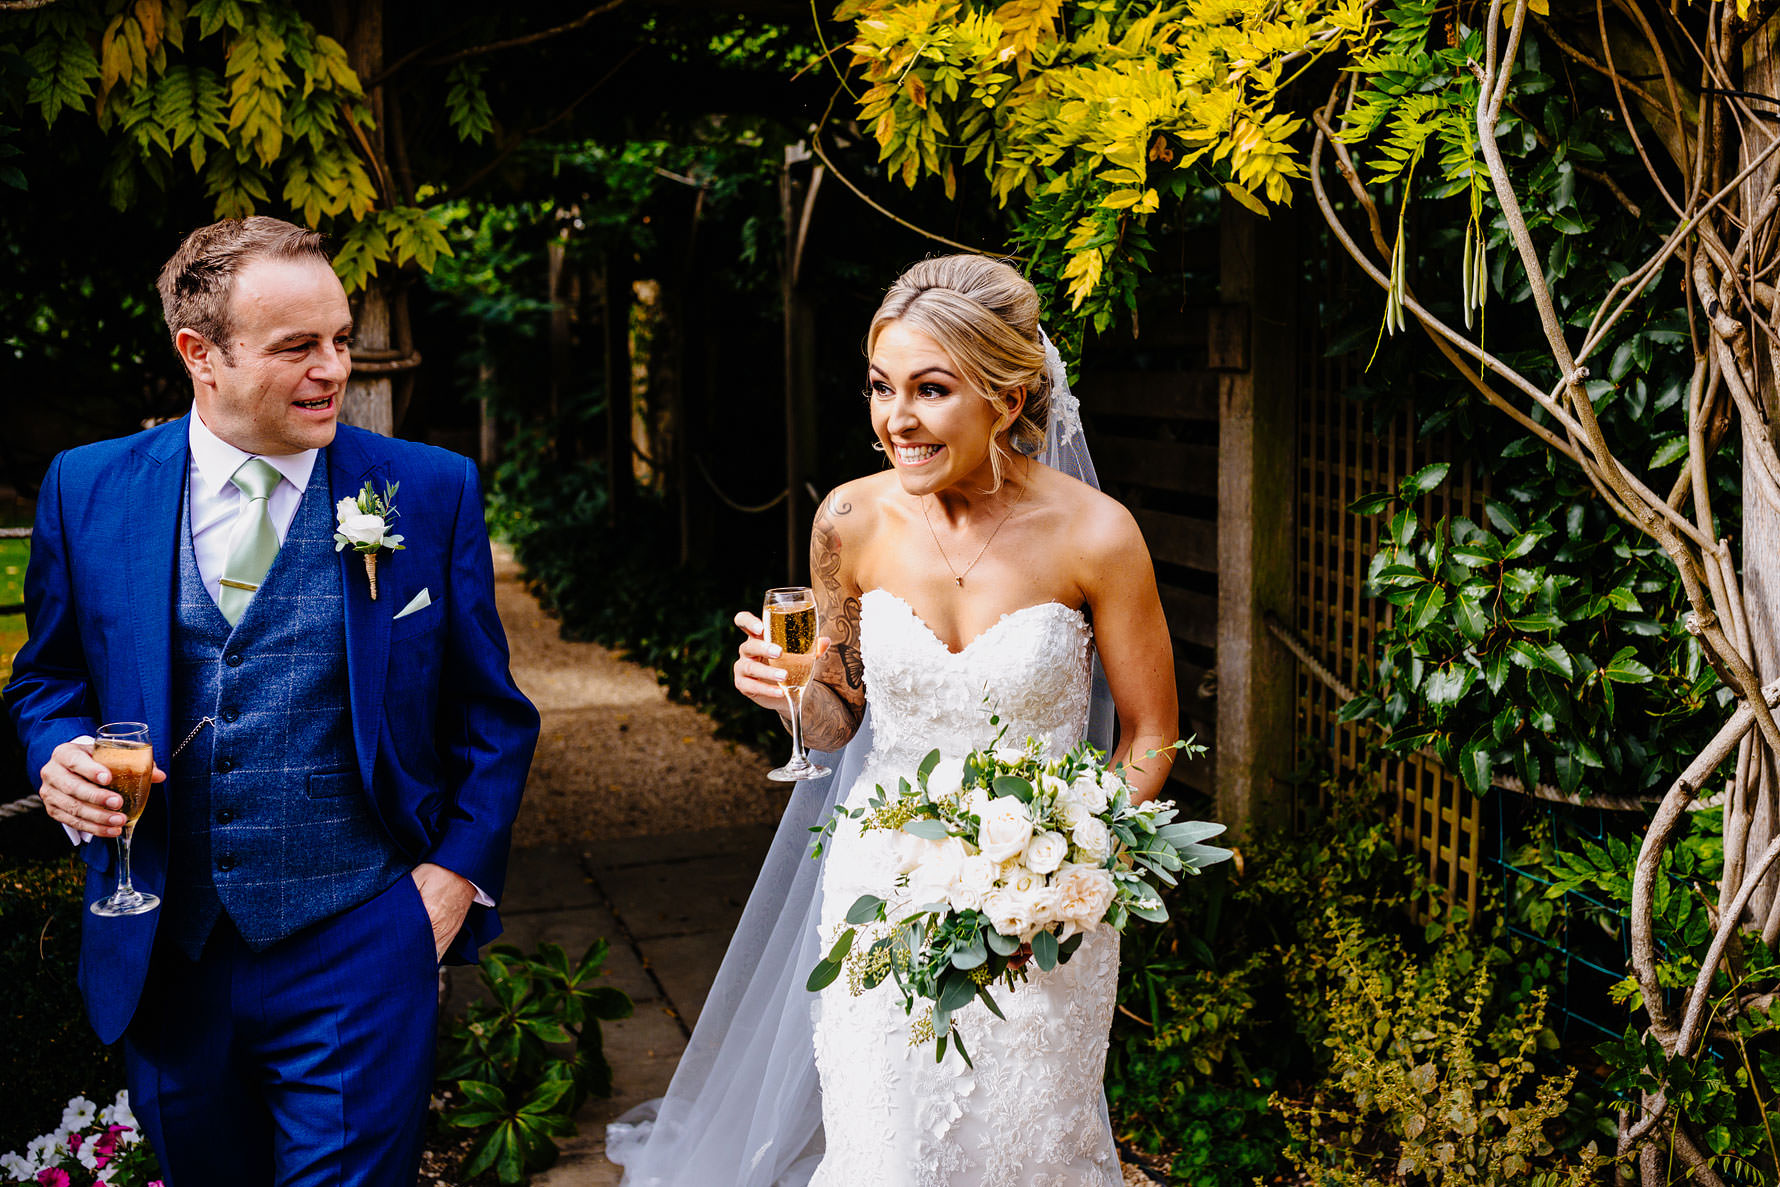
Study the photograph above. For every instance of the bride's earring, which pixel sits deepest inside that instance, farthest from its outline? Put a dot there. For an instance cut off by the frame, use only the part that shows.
(878, 445)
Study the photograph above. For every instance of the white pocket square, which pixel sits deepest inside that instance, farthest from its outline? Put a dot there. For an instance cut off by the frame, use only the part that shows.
(419, 601)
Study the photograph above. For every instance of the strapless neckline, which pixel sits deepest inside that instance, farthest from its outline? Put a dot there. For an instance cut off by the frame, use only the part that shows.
(991, 629)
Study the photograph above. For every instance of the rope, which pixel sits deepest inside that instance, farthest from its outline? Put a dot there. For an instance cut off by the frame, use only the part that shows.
(1541, 791)
(15, 533)
(731, 503)
(19, 807)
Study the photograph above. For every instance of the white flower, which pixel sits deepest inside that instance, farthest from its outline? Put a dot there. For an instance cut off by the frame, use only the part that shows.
(43, 1151)
(977, 801)
(79, 1114)
(359, 528)
(20, 1170)
(975, 878)
(1082, 895)
(1094, 792)
(1045, 852)
(1112, 784)
(936, 866)
(946, 778)
(1093, 838)
(1072, 807)
(88, 1155)
(1009, 756)
(344, 508)
(1005, 829)
(1016, 914)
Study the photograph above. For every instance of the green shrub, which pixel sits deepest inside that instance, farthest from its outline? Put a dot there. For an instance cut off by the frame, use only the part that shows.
(519, 1064)
(609, 584)
(50, 1053)
(1431, 1080)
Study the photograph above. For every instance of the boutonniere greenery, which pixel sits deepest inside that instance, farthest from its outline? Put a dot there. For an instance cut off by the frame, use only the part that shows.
(363, 524)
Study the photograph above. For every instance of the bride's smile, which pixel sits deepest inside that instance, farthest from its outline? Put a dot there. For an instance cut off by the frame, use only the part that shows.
(937, 429)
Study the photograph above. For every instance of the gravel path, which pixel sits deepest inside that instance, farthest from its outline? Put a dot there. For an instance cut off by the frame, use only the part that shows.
(616, 758)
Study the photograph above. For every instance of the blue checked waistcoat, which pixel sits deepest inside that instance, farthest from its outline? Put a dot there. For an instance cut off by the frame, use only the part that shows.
(270, 819)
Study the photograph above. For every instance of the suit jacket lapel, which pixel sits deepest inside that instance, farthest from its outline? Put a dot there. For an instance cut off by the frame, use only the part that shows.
(367, 623)
(157, 489)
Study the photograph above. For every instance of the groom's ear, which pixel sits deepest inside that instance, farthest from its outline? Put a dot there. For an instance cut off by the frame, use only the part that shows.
(198, 354)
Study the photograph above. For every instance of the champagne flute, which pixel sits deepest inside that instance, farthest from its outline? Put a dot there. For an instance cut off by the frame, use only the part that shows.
(123, 749)
(790, 621)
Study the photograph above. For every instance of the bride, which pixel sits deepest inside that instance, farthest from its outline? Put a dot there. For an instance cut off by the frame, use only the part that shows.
(969, 579)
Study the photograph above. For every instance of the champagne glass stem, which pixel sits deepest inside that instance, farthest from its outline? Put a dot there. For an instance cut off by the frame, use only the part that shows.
(124, 886)
(794, 694)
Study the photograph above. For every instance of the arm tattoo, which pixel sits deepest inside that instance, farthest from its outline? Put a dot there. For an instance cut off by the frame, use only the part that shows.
(830, 719)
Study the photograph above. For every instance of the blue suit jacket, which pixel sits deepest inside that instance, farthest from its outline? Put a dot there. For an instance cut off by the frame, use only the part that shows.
(444, 737)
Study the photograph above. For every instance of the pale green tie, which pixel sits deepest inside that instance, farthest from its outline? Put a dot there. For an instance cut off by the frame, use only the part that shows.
(256, 541)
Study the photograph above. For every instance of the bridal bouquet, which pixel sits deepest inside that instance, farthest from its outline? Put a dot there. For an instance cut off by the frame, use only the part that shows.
(1004, 858)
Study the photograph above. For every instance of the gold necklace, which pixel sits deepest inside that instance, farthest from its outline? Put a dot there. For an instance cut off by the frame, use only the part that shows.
(957, 577)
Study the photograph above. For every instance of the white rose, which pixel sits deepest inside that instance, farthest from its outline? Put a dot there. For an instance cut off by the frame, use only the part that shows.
(361, 529)
(1093, 838)
(930, 881)
(946, 778)
(1082, 895)
(977, 801)
(1092, 791)
(1005, 829)
(1009, 756)
(1112, 784)
(1045, 852)
(975, 879)
(1072, 808)
(1015, 914)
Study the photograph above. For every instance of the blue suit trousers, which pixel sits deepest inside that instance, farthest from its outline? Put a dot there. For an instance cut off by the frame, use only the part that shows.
(307, 1063)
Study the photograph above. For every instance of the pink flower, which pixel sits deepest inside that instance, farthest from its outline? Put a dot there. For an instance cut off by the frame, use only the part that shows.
(154, 1183)
(54, 1176)
(74, 1143)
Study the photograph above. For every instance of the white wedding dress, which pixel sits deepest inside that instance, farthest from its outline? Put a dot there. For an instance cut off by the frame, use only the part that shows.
(1032, 1113)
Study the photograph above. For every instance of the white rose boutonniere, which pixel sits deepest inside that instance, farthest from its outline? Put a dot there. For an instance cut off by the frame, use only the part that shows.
(363, 523)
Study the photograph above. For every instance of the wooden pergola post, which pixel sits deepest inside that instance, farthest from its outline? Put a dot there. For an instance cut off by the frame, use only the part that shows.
(1254, 343)
(797, 204)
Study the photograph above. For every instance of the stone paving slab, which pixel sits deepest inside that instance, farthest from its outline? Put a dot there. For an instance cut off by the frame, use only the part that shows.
(667, 906)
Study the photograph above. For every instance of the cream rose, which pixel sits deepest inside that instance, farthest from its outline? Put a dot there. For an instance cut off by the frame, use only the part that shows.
(936, 866)
(946, 778)
(1081, 895)
(1045, 852)
(1093, 838)
(975, 879)
(1005, 829)
(1092, 791)
(1010, 913)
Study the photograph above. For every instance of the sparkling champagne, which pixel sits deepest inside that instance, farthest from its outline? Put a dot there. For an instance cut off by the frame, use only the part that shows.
(793, 627)
(132, 766)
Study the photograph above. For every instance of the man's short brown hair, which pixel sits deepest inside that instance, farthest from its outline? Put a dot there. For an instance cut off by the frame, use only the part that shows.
(196, 284)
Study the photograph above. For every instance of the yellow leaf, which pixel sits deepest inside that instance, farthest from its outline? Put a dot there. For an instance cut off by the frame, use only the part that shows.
(1248, 199)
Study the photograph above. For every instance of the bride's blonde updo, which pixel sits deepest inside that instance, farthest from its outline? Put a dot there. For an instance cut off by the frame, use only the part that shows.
(984, 315)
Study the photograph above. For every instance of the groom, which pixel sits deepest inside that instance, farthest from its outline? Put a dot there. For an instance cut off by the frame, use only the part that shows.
(338, 818)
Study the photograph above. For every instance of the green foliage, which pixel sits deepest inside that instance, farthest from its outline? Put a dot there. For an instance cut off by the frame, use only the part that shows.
(609, 585)
(250, 97)
(1250, 993)
(1429, 1081)
(519, 1064)
(51, 1054)
(1517, 647)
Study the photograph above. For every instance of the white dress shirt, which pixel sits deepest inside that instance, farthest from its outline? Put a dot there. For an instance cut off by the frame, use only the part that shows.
(215, 504)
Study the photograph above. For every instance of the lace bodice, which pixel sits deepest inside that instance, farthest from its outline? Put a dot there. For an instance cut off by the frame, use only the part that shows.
(1031, 669)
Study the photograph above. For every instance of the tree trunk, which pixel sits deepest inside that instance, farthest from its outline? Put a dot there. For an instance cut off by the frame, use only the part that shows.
(367, 402)
(1761, 523)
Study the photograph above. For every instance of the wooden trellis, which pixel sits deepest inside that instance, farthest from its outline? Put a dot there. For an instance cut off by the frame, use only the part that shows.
(1343, 455)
